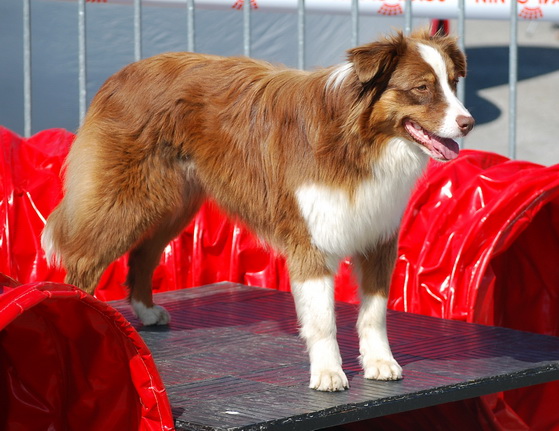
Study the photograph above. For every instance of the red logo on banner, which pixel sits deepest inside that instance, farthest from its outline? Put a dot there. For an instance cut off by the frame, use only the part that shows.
(531, 13)
(390, 9)
(239, 4)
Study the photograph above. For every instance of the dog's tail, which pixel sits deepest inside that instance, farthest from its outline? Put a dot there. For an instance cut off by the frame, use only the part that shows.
(56, 233)
(52, 237)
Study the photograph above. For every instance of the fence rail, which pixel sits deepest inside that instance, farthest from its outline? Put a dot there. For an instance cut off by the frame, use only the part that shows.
(355, 8)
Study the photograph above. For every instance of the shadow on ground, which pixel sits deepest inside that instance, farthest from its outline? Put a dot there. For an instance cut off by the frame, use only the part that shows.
(489, 67)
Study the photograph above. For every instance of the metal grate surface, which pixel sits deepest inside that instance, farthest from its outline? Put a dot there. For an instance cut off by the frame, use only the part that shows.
(231, 360)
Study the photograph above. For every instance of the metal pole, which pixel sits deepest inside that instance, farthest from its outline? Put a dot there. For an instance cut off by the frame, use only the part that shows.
(26, 68)
(82, 72)
(301, 34)
(461, 90)
(137, 30)
(513, 77)
(408, 18)
(246, 27)
(190, 23)
(354, 22)
(461, 44)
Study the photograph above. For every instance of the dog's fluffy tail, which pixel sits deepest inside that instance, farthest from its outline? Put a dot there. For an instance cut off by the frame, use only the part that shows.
(50, 238)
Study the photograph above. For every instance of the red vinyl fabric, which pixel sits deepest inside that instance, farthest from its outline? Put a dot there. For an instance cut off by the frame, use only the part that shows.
(71, 362)
(479, 242)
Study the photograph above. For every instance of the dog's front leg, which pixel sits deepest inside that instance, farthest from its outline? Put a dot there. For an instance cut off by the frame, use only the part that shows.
(374, 270)
(314, 301)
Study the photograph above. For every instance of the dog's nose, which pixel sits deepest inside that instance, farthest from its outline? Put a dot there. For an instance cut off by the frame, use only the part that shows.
(465, 123)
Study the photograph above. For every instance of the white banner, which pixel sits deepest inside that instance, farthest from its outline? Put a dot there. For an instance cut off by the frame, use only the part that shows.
(542, 10)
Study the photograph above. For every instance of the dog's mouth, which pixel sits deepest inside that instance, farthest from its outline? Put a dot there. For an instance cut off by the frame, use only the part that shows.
(442, 149)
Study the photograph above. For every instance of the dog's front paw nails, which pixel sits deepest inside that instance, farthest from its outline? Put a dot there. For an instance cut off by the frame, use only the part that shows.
(382, 369)
(155, 315)
(329, 380)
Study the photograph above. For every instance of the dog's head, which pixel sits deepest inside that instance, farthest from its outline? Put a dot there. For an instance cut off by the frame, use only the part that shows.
(409, 85)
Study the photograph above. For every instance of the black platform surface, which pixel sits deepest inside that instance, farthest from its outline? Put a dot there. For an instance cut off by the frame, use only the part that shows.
(231, 360)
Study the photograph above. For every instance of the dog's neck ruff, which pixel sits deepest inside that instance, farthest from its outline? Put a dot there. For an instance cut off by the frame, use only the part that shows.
(342, 225)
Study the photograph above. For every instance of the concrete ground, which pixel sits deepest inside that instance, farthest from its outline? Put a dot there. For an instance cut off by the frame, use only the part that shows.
(487, 92)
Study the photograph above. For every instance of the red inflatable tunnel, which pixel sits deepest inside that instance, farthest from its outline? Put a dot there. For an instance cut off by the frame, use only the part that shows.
(71, 362)
(479, 242)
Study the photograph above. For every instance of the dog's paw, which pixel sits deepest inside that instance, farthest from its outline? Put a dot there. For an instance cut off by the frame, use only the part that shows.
(382, 369)
(329, 380)
(156, 315)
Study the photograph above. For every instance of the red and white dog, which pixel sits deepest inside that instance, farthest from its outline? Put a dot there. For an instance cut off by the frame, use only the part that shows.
(318, 164)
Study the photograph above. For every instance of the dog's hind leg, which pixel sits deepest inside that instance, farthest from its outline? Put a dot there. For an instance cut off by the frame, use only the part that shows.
(374, 270)
(85, 241)
(70, 239)
(116, 194)
(146, 254)
(103, 212)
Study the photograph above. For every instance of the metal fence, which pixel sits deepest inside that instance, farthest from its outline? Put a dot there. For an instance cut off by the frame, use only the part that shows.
(301, 8)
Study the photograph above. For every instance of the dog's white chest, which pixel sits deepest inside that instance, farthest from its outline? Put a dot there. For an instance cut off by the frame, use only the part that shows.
(342, 225)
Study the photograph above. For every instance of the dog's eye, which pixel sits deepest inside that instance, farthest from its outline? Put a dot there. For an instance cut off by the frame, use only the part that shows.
(421, 88)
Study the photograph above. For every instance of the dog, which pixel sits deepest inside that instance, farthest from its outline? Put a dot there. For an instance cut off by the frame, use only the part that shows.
(320, 165)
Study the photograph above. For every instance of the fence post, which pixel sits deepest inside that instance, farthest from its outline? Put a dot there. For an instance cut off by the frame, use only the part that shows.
(301, 34)
(190, 24)
(408, 18)
(461, 90)
(513, 77)
(354, 22)
(137, 30)
(82, 71)
(246, 27)
(27, 68)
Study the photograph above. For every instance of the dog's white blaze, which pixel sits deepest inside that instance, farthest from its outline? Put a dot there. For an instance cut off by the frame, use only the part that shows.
(449, 127)
(338, 75)
(340, 225)
(314, 300)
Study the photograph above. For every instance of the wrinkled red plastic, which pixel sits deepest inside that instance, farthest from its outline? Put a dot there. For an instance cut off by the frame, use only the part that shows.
(479, 242)
(71, 362)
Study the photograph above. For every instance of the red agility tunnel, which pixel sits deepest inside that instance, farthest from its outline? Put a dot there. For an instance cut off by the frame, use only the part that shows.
(69, 361)
(479, 242)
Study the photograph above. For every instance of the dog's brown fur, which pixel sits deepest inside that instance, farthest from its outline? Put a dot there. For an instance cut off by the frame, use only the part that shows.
(167, 131)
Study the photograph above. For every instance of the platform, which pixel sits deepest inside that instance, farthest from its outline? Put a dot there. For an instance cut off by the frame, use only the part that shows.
(232, 360)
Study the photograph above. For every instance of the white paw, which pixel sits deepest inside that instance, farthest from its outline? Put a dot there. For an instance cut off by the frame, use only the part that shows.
(382, 369)
(156, 315)
(329, 380)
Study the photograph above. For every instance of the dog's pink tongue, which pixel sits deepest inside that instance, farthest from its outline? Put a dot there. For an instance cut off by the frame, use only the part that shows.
(446, 147)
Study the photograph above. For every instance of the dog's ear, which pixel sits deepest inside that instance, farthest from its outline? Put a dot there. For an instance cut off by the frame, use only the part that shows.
(378, 58)
(450, 46)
